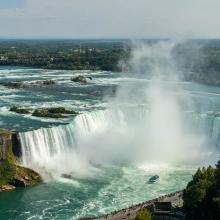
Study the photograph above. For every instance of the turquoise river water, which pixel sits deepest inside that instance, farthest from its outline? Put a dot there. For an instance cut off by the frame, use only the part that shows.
(129, 128)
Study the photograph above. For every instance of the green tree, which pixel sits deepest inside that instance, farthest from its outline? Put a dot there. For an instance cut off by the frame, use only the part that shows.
(202, 195)
(143, 214)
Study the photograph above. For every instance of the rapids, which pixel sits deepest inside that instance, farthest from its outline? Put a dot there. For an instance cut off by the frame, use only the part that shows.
(130, 127)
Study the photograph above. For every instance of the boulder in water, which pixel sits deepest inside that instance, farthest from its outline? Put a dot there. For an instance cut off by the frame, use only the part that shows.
(14, 85)
(48, 82)
(19, 110)
(79, 79)
(67, 176)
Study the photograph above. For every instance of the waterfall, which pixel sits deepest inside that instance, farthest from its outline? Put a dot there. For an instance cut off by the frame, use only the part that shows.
(104, 135)
(206, 125)
(42, 147)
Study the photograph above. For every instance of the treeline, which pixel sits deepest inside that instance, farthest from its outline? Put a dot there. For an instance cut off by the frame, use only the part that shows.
(64, 54)
(197, 60)
(202, 195)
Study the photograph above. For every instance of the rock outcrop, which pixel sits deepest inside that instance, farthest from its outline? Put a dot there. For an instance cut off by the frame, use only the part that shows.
(19, 110)
(14, 85)
(79, 79)
(27, 84)
(11, 174)
(53, 112)
(56, 112)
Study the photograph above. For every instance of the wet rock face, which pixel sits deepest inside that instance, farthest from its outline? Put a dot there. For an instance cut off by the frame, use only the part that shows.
(5, 142)
(18, 183)
(11, 174)
(25, 177)
(16, 145)
(6, 187)
(2, 150)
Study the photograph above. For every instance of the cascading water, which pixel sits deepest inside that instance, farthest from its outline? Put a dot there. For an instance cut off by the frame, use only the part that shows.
(147, 121)
(107, 136)
(43, 148)
(100, 162)
(207, 125)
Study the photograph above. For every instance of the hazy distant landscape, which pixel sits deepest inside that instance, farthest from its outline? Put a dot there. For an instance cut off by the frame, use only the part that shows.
(199, 60)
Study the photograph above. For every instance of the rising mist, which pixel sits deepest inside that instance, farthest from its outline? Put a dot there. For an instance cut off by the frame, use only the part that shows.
(147, 122)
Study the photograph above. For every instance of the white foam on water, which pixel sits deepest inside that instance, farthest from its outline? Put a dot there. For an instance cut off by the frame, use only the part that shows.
(141, 124)
(108, 137)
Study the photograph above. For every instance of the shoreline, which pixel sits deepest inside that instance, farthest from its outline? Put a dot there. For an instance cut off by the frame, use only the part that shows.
(175, 198)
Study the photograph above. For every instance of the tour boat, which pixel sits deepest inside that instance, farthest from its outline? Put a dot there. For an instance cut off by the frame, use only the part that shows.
(153, 179)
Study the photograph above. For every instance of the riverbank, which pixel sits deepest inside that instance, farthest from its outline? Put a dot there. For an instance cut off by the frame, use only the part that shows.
(176, 199)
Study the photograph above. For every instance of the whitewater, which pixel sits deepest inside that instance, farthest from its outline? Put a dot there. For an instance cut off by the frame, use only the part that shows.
(132, 125)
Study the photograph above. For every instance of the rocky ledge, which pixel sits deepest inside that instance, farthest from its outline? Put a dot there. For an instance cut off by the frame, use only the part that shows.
(11, 174)
(53, 112)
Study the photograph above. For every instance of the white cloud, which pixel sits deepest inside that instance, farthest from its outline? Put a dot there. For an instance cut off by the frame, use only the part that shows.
(112, 18)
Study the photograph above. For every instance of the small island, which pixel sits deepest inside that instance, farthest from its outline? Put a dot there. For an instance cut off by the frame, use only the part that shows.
(53, 112)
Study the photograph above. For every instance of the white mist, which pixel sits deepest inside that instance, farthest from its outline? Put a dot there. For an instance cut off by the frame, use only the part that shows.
(145, 124)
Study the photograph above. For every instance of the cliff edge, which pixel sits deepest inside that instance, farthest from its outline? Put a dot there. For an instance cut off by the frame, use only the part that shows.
(11, 174)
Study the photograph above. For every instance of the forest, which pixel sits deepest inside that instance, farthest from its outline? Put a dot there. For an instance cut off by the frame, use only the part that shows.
(63, 54)
(197, 60)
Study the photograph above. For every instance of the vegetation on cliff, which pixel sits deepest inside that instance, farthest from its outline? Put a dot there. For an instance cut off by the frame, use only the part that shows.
(11, 174)
(202, 195)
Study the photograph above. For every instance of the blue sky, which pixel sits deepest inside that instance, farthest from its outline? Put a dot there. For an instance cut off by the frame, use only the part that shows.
(11, 3)
(110, 18)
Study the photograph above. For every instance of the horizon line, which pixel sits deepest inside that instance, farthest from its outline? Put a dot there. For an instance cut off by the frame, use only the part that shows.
(100, 38)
